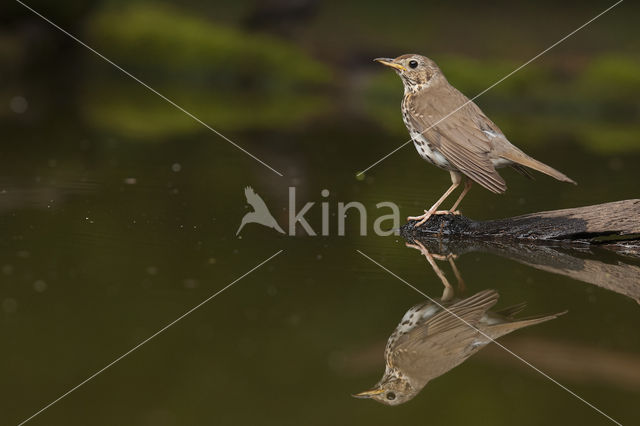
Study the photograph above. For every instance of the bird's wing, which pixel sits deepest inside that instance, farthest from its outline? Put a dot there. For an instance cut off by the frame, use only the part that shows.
(444, 341)
(255, 200)
(460, 137)
(461, 313)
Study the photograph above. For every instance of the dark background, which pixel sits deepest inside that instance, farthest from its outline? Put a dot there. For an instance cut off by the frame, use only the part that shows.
(118, 212)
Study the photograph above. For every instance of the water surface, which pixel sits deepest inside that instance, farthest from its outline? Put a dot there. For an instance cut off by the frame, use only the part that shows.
(118, 215)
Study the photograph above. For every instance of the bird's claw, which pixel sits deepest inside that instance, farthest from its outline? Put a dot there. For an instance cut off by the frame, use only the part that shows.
(427, 214)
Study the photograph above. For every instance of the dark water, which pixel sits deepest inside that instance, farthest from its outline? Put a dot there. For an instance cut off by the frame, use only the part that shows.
(110, 232)
(92, 265)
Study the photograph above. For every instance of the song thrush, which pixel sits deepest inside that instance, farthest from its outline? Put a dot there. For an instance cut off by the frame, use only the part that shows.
(450, 131)
(429, 341)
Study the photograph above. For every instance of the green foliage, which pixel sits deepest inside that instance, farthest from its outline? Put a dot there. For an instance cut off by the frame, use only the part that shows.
(230, 79)
(612, 77)
(147, 118)
(472, 76)
(155, 35)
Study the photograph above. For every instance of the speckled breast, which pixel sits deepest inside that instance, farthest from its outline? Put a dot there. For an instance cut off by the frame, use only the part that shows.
(422, 144)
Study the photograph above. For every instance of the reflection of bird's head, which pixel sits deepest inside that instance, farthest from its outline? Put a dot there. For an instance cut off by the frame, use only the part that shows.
(416, 71)
(390, 390)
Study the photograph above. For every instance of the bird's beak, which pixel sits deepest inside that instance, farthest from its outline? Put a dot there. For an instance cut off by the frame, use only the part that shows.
(369, 393)
(389, 62)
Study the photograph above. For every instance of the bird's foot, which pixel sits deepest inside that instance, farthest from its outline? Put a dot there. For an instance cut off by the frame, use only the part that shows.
(427, 214)
(422, 218)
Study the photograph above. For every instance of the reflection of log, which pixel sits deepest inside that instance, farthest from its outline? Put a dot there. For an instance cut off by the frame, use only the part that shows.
(584, 263)
(592, 224)
(618, 276)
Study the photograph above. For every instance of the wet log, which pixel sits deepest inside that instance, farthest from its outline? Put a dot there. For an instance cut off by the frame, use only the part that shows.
(615, 225)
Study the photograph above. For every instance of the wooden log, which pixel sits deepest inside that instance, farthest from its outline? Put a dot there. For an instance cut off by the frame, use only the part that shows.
(608, 223)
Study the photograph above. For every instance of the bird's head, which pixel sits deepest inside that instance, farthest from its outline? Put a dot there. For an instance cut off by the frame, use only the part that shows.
(416, 71)
(390, 391)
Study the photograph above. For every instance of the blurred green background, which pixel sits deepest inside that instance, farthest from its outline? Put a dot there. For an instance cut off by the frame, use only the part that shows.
(118, 212)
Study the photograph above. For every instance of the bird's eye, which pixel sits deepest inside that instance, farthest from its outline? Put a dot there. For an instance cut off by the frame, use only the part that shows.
(413, 64)
(391, 396)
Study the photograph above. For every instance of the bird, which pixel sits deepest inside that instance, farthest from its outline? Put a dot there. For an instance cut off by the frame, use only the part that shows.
(260, 213)
(431, 340)
(451, 132)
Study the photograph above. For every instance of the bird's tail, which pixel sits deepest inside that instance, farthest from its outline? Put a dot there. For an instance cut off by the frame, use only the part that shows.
(498, 330)
(523, 159)
(512, 311)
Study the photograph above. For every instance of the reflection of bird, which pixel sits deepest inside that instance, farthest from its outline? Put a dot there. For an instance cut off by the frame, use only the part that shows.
(450, 131)
(429, 341)
(260, 213)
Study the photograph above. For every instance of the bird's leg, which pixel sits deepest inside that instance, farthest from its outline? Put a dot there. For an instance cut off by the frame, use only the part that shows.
(450, 258)
(467, 186)
(448, 292)
(427, 213)
(461, 285)
(456, 178)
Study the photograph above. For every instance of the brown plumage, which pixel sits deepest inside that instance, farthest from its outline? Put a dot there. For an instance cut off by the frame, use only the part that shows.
(430, 340)
(452, 132)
